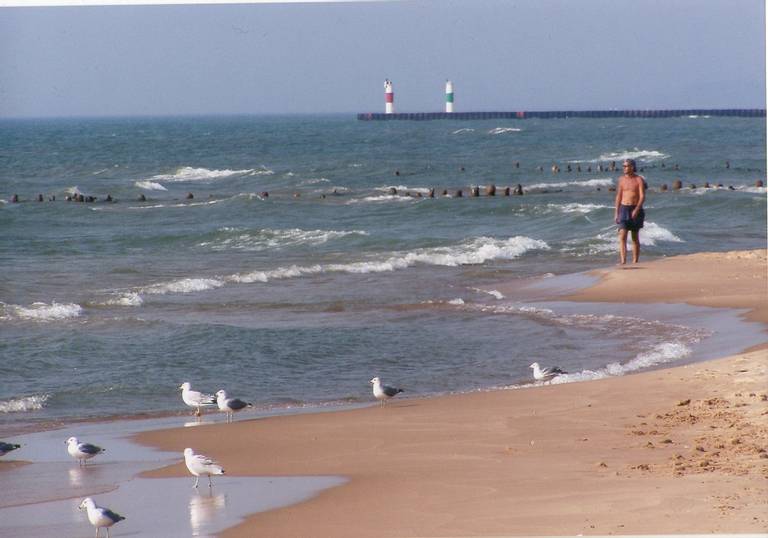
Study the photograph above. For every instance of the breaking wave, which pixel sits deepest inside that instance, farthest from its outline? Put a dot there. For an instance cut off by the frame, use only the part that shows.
(150, 185)
(43, 312)
(188, 173)
(24, 404)
(239, 239)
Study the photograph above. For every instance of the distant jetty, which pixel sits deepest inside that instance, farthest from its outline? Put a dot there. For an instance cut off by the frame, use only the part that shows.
(553, 114)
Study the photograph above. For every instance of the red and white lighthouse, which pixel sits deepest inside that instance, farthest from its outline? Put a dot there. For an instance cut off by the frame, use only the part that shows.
(389, 97)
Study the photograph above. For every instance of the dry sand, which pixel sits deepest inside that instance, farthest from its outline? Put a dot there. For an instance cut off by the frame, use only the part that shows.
(681, 450)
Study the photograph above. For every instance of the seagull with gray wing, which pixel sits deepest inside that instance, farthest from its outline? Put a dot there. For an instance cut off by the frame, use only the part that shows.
(545, 374)
(230, 406)
(100, 517)
(82, 451)
(383, 392)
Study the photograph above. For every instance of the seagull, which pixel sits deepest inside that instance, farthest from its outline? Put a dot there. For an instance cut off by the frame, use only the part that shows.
(200, 465)
(98, 516)
(383, 392)
(230, 405)
(545, 374)
(194, 398)
(7, 447)
(82, 451)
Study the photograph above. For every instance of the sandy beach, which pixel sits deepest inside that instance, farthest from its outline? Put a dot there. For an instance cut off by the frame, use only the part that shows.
(679, 450)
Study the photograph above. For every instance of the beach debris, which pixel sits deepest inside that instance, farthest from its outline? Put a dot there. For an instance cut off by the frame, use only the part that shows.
(602, 464)
(201, 465)
(100, 517)
(230, 406)
(82, 451)
(545, 374)
(383, 392)
(195, 398)
(681, 403)
(7, 447)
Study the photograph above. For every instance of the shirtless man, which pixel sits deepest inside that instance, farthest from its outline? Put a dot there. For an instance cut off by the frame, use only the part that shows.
(629, 214)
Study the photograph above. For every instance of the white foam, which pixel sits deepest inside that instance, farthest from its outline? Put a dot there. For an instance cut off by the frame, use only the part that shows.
(470, 252)
(150, 185)
(128, 299)
(586, 183)
(457, 301)
(465, 130)
(606, 240)
(495, 293)
(382, 198)
(46, 312)
(578, 208)
(24, 404)
(662, 353)
(504, 130)
(401, 189)
(238, 239)
(185, 285)
(188, 173)
(652, 232)
(638, 154)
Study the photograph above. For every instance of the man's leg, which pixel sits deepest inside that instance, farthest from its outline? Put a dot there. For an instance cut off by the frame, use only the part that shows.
(622, 246)
(635, 246)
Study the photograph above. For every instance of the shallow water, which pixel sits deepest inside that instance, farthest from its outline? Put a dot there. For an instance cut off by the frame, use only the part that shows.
(297, 299)
(41, 499)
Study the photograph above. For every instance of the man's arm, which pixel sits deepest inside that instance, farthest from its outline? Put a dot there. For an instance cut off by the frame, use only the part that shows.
(618, 200)
(641, 198)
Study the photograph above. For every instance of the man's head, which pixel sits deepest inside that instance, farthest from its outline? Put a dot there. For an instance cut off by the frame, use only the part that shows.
(630, 166)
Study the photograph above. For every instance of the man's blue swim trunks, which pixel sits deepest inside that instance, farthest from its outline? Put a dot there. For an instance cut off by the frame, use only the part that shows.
(626, 222)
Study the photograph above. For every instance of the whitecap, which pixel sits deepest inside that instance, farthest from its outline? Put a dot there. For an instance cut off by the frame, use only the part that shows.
(495, 293)
(239, 239)
(185, 285)
(637, 154)
(382, 198)
(456, 302)
(464, 130)
(470, 252)
(504, 130)
(404, 188)
(586, 183)
(46, 312)
(128, 299)
(188, 173)
(578, 208)
(150, 185)
(24, 404)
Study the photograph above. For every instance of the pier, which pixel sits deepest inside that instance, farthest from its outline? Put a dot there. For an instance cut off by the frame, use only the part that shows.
(561, 114)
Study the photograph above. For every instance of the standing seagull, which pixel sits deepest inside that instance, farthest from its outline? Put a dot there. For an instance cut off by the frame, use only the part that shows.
(82, 451)
(194, 398)
(200, 465)
(230, 405)
(7, 447)
(98, 516)
(545, 374)
(383, 392)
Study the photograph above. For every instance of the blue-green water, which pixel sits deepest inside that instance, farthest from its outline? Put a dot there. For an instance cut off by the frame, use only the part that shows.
(300, 297)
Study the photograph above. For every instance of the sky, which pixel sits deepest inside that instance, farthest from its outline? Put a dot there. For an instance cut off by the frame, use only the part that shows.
(280, 58)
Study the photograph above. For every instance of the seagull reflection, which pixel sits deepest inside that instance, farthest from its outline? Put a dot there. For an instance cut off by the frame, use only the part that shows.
(203, 509)
(76, 476)
(197, 422)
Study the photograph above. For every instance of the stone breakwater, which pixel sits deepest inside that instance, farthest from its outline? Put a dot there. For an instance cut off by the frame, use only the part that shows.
(548, 114)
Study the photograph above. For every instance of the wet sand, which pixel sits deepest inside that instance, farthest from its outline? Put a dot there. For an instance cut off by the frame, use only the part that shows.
(680, 450)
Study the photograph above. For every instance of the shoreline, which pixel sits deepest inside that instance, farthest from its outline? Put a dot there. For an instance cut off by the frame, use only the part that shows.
(629, 455)
(452, 465)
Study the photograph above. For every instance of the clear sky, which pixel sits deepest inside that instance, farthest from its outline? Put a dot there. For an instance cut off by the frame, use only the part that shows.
(334, 57)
